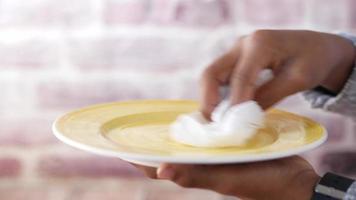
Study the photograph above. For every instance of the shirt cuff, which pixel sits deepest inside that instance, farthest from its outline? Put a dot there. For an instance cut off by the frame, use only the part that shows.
(351, 192)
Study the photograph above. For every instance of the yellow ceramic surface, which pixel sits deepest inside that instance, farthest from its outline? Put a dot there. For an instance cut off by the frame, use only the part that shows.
(138, 131)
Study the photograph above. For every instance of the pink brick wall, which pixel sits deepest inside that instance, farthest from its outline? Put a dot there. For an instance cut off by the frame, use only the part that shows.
(59, 55)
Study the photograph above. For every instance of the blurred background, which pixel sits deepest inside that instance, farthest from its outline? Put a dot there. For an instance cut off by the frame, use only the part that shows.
(56, 56)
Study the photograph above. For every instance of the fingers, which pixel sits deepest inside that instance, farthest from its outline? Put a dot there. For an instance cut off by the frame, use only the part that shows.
(213, 77)
(284, 84)
(244, 77)
(240, 69)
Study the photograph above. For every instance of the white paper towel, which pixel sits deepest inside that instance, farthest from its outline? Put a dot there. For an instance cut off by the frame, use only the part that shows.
(230, 125)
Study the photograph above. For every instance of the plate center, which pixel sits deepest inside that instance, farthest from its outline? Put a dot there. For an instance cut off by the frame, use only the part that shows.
(150, 132)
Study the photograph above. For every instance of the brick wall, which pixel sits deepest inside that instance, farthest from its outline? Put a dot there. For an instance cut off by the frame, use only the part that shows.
(56, 56)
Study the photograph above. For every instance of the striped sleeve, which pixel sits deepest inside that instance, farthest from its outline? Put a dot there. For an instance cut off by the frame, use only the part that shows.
(351, 192)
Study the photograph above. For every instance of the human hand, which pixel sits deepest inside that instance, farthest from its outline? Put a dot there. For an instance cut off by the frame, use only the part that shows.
(289, 178)
(300, 60)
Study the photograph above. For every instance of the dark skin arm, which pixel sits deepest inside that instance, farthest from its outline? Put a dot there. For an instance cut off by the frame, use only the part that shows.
(300, 60)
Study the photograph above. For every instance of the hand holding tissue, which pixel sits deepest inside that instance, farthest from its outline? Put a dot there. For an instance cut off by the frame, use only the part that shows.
(230, 125)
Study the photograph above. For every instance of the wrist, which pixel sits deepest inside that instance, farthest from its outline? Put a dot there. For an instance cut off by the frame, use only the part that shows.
(344, 52)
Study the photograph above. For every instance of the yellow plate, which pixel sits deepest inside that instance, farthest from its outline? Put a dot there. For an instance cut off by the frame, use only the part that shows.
(137, 131)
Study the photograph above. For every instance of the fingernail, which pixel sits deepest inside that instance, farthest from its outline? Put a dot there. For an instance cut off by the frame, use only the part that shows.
(165, 173)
